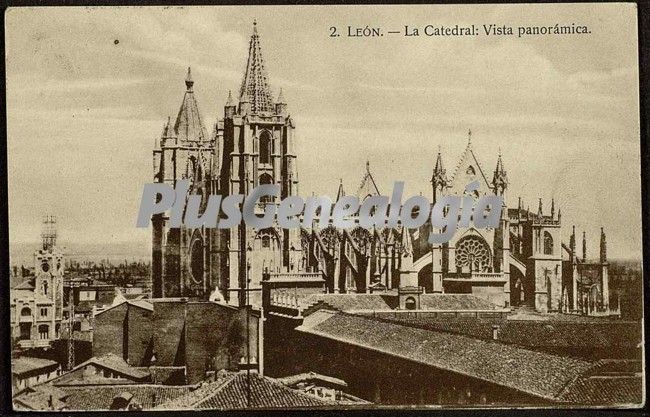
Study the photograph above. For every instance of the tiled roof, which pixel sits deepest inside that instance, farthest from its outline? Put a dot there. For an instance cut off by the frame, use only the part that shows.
(374, 302)
(101, 397)
(535, 333)
(354, 302)
(26, 364)
(454, 302)
(42, 397)
(605, 390)
(231, 392)
(536, 373)
(312, 376)
(108, 361)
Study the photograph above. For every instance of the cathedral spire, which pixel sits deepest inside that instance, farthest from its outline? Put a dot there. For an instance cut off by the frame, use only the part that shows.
(439, 179)
(341, 192)
(229, 101)
(189, 83)
(255, 83)
(189, 126)
(500, 178)
(539, 209)
(552, 208)
(584, 246)
(603, 246)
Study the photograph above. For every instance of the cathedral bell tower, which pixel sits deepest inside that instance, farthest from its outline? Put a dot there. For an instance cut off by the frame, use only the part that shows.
(258, 147)
(184, 152)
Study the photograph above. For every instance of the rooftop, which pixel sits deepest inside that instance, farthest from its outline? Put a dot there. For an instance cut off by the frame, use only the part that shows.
(26, 364)
(230, 391)
(536, 373)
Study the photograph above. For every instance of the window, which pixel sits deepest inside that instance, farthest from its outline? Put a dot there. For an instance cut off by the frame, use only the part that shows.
(43, 311)
(410, 303)
(548, 243)
(266, 179)
(472, 254)
(43, 331)
(26, 311)
(266, 148)
(44, 287)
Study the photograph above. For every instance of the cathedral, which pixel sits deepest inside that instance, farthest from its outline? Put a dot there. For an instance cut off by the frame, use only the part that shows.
(523, 262)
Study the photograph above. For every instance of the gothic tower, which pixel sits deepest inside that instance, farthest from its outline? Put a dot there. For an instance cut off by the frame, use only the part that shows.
(439, 183)
(180, 256)
(48, 283)
(257, 146)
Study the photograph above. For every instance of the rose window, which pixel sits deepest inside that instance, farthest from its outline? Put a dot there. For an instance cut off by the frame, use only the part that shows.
(473, 254)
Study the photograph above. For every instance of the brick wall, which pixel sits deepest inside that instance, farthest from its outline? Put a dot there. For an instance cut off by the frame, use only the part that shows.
(139, 336)
(168, 332)
(109, 331)
(216, 338)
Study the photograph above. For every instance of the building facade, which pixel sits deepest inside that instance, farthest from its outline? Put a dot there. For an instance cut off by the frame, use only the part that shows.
(37, 303)
(521, 262)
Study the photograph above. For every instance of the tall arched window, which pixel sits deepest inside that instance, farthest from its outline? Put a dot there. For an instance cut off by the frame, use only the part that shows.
(266, 147)
(548, 243)
(266, 179)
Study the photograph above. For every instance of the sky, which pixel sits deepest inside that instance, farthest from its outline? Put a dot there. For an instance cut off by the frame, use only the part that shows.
(89, 89)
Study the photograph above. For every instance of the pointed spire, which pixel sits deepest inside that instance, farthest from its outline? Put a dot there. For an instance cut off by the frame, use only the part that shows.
(469, 137)
(572, 241)
(341, 192)
(559, 214)
(552, 208)
(230, 101)
(255, 83)
(368, 186)
(539, 208)
(188, 126)
(500, 178)
(584, 246)
(280, 99)
(603, 246)
(189, 83)
(439, 167)
(439, 178)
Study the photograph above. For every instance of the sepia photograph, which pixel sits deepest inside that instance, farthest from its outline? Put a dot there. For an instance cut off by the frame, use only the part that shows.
(324, 207)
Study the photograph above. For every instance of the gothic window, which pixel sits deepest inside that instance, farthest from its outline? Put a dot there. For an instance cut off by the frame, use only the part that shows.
(268, 239)
(266, 147)
(548, 243)
(196, 261)
(473, 254)
(266, 179)
(43, 312)
(470, 170)
(330, 237)
(26, 311)
(361, 238)
(44, 288)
